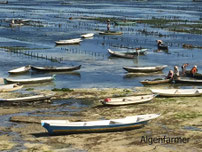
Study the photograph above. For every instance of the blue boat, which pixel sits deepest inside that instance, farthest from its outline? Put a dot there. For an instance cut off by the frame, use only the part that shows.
(67, 127)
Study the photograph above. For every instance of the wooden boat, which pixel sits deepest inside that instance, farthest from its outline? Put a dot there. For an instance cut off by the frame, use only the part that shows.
(20, 70)
(127, 100)
(15, 23)
(196, 75)
(67, 127)
(10, 87)
(3, 2)
(162, 47)
(134, 75)
(177, 92)
(70, 41)
(145, 69)
(124, 23)
(156, 81)
(55, 69)
(111, 33)
(87, 35)
(128, 55)
(185, 80)
(135, 51)
(30, 80)
(121, 55)
(28, 98)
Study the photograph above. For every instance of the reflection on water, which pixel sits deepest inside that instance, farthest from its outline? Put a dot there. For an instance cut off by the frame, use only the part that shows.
(48, 21)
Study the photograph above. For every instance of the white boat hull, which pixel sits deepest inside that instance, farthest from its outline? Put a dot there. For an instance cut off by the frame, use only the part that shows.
(177, 92)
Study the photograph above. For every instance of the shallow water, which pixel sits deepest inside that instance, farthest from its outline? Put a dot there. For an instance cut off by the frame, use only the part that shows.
(50, 19)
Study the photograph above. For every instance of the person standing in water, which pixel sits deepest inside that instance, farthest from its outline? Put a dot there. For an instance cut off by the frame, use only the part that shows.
(194, 70)
(108, 25)
(184, 66)
(176, 72)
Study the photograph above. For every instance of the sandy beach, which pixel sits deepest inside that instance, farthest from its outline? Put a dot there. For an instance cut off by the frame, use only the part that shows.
(180, 117)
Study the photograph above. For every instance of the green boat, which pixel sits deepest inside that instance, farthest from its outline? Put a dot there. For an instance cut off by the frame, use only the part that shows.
(124, 23)
(111, 33)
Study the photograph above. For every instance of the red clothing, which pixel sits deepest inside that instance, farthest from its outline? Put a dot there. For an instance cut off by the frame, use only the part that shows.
(194, 70)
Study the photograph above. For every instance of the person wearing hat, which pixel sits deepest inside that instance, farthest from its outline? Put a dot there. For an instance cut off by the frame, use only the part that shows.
(194, 70)
(108, 24)
(176, 72)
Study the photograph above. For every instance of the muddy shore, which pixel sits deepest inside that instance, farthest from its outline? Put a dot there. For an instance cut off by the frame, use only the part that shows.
(180, 117)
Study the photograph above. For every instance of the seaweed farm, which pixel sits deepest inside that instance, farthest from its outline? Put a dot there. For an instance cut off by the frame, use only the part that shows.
(77, 64)
(45, 22)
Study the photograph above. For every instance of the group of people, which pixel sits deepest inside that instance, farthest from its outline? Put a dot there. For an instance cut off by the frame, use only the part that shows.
(171, 74)
(176, 73)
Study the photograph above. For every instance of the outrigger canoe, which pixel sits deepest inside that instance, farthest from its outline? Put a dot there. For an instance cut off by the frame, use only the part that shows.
(20, 70)
(10, 87)
(127, 100)
(145, 69)
(55, 69)
(29, 80)
(110, 33)
(28, 98)
(177, 92)
(67, 127)
(156, 81)
(88, 35)
(70, 41)
(185, 80)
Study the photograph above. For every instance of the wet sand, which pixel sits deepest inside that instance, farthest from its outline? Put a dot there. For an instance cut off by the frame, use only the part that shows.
(180, 117)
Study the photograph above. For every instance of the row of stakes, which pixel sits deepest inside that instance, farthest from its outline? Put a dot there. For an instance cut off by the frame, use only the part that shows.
(56, 59)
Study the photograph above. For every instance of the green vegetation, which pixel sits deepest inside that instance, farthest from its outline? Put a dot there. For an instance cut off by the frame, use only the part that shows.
(19, 48)
(175, 25)
(63, 89)
(29, 89)
(190, 115)
(14, 48)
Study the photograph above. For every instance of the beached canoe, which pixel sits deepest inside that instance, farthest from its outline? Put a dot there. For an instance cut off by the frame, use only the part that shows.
(145, 69)
(124, 23)
(111, 33)
(121, 55)
(187, 80)
(20, 70)
(177, 92)
(70, 41)
(127, 100)
(29, 80)
(156, 81)
(88, 35)
(10, 87)
(55, 69)
(28, 98)
(67, 127)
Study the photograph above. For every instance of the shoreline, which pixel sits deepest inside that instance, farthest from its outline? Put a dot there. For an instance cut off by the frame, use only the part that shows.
(176, 113)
